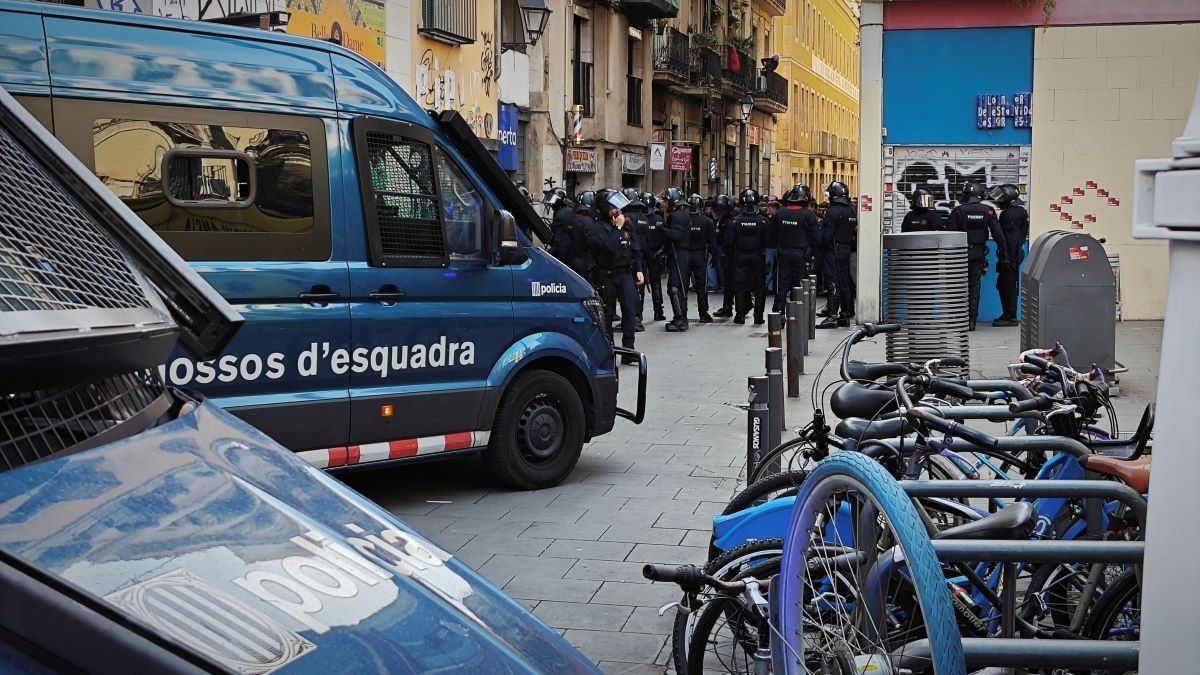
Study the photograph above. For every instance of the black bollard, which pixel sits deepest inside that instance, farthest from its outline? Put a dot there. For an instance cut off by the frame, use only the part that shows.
(757, 420)
(774, 362)
(795, 350)
(775, 330)
(812, 304)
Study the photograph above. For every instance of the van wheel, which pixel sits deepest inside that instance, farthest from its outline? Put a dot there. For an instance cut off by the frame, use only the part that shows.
(538, 434)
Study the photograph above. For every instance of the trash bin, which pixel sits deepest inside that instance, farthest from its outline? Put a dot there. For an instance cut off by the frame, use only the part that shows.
(1069, 295)
(925, 291)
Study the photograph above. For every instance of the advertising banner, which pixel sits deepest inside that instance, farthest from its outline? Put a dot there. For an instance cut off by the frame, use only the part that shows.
(507, 131)
(357, 25)
(681, 158)
(581, 160)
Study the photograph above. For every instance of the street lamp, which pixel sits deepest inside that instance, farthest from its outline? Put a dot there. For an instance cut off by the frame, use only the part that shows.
(747, 103)
(534, 16)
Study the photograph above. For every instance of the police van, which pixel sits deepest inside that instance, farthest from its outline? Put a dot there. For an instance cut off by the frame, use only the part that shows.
(396, 307)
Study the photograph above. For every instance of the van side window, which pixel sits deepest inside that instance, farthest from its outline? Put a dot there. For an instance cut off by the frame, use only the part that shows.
(407, 222)
(213, 186)
(463, 207)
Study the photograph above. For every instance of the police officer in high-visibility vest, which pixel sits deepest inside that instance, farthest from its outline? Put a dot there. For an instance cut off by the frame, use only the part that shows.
(922, 217)
(841, 221)
(795, 232)
(977, 220)
(700, 242)
(677, 229)
(618, 267)
(748, 236)
(1014, 221)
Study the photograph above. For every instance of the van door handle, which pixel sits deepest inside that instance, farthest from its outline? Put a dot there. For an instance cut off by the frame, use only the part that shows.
(387, 293)
(320, 294)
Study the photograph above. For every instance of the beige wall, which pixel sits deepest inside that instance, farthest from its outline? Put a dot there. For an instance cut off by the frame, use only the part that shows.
(1105, 96)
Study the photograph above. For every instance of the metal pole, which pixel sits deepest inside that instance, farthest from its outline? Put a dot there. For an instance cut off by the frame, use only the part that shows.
(756, 420)
(795, 349)
(775, 330)
(774, 359)
(812, 307)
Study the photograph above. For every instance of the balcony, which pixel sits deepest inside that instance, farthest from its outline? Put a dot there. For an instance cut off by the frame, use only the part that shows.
(771, 94)
(705, 71)
(672, 57)
(738, 70)
(650, 9)
(772, 7)
(449, 21)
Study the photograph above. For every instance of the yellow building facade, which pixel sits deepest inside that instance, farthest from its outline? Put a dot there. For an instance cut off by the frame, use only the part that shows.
(817, 138)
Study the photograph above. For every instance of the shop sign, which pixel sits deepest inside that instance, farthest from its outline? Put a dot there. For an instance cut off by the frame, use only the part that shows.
(581, 160)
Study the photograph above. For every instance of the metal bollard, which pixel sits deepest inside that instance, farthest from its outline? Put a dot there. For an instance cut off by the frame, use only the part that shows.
(774, 363)
(775, 330)
(805, 319)
(756, 420)
(812, 303)
(795, 350)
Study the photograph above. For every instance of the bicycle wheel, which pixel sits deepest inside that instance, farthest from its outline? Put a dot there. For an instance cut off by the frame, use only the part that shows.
(725, 635)
(776, 485)
(1118, 613)
(726, 567)
(864, 607)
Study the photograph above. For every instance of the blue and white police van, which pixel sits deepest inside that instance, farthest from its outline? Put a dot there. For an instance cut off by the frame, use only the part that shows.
(396, 306)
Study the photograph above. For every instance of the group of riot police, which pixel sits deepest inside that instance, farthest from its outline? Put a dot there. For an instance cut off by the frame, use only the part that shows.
(624, 241)
(977, 219)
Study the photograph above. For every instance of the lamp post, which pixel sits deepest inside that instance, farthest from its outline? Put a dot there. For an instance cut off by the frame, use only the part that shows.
(534, 16)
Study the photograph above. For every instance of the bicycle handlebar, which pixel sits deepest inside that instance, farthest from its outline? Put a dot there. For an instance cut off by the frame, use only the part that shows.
(929, 419)
(1039, 402)
(946, 387)
(1038, 362)
(689, 577)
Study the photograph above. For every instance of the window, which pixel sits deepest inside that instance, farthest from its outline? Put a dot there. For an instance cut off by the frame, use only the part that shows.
(512, 31)
(633, 79)
(421, 210)
(582, 65)
(214, 185)
(450, 21)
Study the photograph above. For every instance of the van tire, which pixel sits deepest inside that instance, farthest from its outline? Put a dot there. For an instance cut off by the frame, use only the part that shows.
(538, 434)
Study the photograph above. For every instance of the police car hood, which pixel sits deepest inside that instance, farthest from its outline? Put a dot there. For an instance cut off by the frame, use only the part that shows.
(229, 546)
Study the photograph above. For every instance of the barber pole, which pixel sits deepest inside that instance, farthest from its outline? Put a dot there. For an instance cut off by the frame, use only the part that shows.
(576, 125)
(712, 170)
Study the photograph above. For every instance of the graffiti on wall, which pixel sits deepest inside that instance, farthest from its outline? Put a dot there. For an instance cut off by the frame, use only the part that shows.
(444, 84)
(945, 171)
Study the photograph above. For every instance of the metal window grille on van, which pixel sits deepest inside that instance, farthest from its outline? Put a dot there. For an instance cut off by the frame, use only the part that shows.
(403, 207)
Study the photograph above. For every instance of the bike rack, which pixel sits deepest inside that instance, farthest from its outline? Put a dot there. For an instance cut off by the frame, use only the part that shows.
(1026, 653)
(1039, 551)
(1029, 488)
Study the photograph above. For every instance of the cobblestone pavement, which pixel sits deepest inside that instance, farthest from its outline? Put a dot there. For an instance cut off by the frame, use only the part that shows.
(573, 553)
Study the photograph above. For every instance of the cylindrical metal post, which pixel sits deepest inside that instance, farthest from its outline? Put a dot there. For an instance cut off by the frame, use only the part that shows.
(795, 347)
(775, 330)
(756, 420)
(797, 293)
(805, 310)
(812, 307)
(774, 362)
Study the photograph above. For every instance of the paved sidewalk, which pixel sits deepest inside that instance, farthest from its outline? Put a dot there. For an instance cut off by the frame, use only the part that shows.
(573, 553)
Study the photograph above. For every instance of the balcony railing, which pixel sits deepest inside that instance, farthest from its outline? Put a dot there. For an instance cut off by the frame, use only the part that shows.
(633, 100)
(739, 69)
(772, 7)
(706, 68)
(773, 87)
(451, 21)
(671, 52)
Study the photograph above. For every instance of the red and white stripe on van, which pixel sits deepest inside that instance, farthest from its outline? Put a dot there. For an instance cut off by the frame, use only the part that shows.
(331, 458)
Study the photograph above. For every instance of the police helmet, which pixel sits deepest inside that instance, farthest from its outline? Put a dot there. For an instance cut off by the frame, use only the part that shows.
(674, 197)
(799, 194)
(607, 200)
(634, 197)
(650, 200)
(922, 199)
(1005, 194)
(748, 197)
(695, 203)
(585, 201)
(556, 198)
(525, 193)
(973, 193)
(838, 193)
(722, 202)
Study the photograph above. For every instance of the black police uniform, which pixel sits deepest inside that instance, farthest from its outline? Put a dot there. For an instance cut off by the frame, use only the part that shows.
(562, 236)
(1014, 222)
(977, 220)
(826, 264)
(795, 232)
(842, 225)
(726, 266)
(570, 242)
(617, 257)
(701, 240)
(649, 227)
(677, 230)
(922, 220)
(747, 237)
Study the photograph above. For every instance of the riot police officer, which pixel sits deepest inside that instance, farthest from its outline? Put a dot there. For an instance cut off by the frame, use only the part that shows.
(723, 214)
(795, 231)
(569, 243)
(922, 217)
(977, 220)
(637, 220)
(653, 257)
(677, 229)
(748, 237)
(842, 226)
(618, 267)
(700, 242)
(563, 210)
(1014, 222)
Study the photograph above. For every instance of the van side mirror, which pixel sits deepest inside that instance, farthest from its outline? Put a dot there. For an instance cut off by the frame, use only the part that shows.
(506, 247)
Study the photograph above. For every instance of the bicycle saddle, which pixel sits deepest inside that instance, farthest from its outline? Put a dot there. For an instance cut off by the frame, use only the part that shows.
(858, 370)
(1133, 472)
(861, 429)
(1015, 521)
(860, 400)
